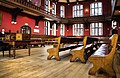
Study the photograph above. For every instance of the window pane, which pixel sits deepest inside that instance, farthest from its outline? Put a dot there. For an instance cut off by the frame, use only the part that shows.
(92, 11)
(100, 11)
(62, 11)
(100, 31)
(92, 5)
(99, 4)
(96, 5)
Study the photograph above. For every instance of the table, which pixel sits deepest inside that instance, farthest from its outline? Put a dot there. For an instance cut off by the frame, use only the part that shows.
(16, 43)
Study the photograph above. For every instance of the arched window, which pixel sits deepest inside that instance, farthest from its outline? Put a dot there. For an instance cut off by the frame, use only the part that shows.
(47, 28)
(62, 11)
(54, 9)
(47, 6)
(62, 29)
(54, 29)
(25, 29)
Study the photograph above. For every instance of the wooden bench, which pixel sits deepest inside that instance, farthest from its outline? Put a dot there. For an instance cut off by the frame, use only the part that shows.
(60, 46)
(102, 59)
(37, 42)
(46, 39)
(82, 51)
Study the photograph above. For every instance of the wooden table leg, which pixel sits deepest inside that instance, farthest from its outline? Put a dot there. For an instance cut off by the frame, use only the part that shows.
(3, 53)
(29, 50)
(14, 53)
(9, 53)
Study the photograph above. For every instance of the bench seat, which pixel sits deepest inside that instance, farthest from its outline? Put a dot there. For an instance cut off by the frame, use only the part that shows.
(78, 48)
(101, 51)
(61, 46)
(80, 52)
(70, 47)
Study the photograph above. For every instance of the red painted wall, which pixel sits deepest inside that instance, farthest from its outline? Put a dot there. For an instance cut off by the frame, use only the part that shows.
(21, 20)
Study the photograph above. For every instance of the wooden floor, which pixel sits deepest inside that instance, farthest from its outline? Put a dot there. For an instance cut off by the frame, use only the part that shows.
(37, 66)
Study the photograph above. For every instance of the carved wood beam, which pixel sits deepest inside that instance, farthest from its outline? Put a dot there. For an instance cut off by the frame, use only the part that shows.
(37, 19)
(68, 1)
(87, 19)
(14, 13)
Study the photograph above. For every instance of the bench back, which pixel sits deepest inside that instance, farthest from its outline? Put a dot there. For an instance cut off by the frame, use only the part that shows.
(113, 44)
(85, 41)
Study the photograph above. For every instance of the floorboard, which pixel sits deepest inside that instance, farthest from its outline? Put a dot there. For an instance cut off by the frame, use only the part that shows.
(37, 65)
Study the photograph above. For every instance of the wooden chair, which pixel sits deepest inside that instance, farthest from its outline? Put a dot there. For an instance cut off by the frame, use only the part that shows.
(104, 61)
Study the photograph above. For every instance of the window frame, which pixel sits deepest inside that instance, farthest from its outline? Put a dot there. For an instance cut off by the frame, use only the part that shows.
(96, 29)
(47, 6)
(62, 11)
(78, 29)
(62, 29)
(78, 11)
(47, 28)
(54, 9)
(95, 9)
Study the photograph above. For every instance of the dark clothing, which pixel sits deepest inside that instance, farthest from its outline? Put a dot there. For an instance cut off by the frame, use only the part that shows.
(114, 31)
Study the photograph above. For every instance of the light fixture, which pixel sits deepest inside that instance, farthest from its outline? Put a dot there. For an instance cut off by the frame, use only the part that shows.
(14, 22)
(3, 31)
(26, 24)
(77, 2)
(36, 26)
(86, 10)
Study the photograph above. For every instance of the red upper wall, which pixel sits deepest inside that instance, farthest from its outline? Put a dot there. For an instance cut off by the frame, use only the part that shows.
(21, 20)
(86, 5)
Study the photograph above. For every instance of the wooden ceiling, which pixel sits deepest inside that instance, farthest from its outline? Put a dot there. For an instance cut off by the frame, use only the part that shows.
(67, 1)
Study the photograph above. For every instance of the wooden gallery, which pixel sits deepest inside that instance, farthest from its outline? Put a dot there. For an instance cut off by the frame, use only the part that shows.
(59, 39)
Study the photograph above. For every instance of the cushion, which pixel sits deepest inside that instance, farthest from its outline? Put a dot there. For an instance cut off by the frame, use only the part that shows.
(102, 50)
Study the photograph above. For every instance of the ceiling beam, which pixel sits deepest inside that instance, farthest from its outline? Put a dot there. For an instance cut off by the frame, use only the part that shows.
(68, 1)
